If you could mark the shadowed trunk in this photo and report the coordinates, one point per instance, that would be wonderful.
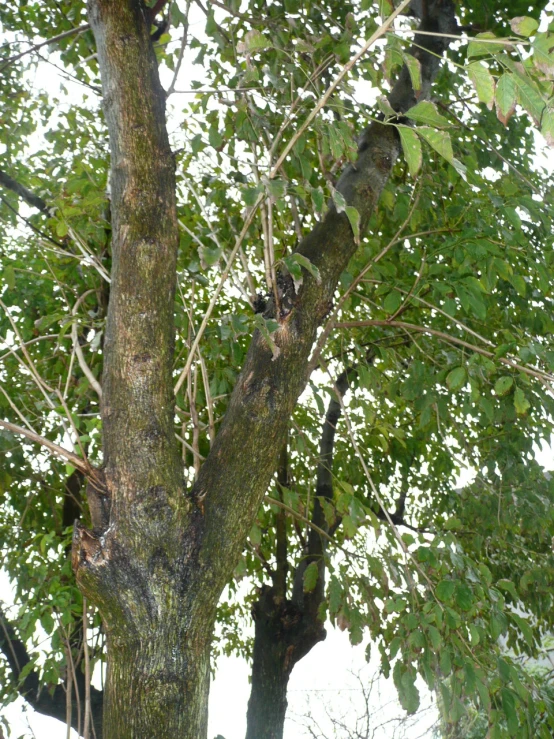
(287, 629)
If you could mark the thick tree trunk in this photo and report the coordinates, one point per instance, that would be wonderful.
(158, 686)
(157, 558)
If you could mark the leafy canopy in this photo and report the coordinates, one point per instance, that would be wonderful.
(445, 312)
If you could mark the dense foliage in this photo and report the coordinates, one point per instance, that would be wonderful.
(441, 518)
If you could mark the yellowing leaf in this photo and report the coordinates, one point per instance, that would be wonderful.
(547, 126)
(310, 577)
(439, 140)
(253, 41)
(523, 25)
(477, 48)
(503, 385)
(521, 404)
(505, 98)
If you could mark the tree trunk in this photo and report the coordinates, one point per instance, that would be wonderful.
(158, 556)
(284, 634)
(158, 686)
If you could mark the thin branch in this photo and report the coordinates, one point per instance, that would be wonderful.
(53, 40)
(184, 43)
(213, 301)
(27, 195)
(543, 376)
(87, 722)
(80, 464)
(333, 86)
(330, 325)
(77, 347)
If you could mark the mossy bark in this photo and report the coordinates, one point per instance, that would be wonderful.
(158, 556)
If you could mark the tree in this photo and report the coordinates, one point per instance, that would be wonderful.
(440, 314)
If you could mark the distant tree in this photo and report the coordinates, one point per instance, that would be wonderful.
(167, 298)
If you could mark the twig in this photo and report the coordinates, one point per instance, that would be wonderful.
(86, 728)
(218, 289)
(543, 376)
(330, 325)
(209, 401)
(184, 42)
(53, 40)
(77, 347)
(80, 464)
(333, 86)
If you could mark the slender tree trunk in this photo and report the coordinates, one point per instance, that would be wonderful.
(270, 678)
(286, 630)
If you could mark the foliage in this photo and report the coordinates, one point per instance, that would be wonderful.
(449, 296)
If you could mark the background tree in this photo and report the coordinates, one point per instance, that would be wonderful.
(448, 295)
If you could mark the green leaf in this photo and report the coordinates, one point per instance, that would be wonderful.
(509, 708)
(392, 302)
(267, 328)
(411, 146)
(474, 635)
(215, 138)
(503, 385)
(310, 577)
(521, 403)
(414, 68)
(427, 113)
(505, 97)
(408, 694)
(276, 188)
(464, 597)
(456, 378)
(61, 229)
(523, 25)
(255, 535)
(306, 264)
(435, 637)
(483, 82)
(439, 140)
(8, 276)
(530, 99)
(354, 219)
(477, 48)
(445, 590)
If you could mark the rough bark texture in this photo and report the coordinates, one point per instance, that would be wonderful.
(157, 559)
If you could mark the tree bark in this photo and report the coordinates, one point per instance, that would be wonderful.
(157, 558)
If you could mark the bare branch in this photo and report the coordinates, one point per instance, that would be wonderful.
(80, 464)
(53, 40)
(27, 195)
